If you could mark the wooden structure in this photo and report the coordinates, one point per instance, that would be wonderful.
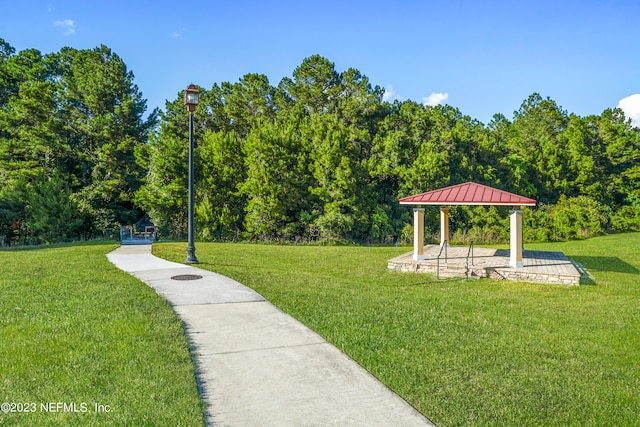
(469, 193)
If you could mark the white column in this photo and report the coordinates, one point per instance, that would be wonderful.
(444, 226)
(418, 234)
(516, 247)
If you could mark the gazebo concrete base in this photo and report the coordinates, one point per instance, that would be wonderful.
(539, 266)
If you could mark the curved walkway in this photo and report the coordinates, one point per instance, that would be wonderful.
(258, 365)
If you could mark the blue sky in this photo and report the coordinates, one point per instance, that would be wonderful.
(483, 57)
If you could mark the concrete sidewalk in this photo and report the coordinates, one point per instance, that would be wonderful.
(259, 366)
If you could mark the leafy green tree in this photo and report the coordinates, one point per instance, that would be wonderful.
(220, 210)
(52, 214)
(583, 171)
(13, 214)
(509, 173)
(104, 114)
(535, 152)
(274, 184)
(315, 86)
(408, 157)
(577, 217)
(431, 167)
(621, 145)
(321, 151)
(360, 104)
(480, 224)
(336, 171)
(396, 146)
(75, 115)
(164, 193)
(6, 79)
(249, 102)
(626, 217)
(30, 143)
(26, 66)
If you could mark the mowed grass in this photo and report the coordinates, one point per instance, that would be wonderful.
(478, 352)
(75, 330)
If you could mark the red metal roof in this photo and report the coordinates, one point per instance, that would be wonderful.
(468, 193)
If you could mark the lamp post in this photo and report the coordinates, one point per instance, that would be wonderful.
(191, 100)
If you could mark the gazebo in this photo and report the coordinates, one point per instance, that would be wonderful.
(469, 193)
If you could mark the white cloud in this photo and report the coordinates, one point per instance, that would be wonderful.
(631, 107)
(435, 98)
(68, 27)
(389, 95)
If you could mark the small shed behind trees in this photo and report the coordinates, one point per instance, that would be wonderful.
(469, 193)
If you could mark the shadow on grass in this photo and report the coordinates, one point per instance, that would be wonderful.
(606, 263)
(214, 265)
(92, 242)
(429, 279)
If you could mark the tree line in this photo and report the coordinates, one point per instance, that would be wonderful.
(70, 123)
(321, 156)
(318, 157)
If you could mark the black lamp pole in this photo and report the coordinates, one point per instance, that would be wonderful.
(191, 100)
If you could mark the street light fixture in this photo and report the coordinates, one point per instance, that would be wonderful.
(191, 101)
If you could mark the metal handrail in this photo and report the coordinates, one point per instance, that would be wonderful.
(469, 252)
(444, 246)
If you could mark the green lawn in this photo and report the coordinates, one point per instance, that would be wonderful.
(477, 352)
(76, 331)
